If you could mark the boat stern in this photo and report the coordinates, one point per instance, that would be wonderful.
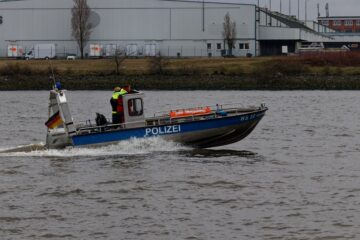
(60, 123)
(58, 139)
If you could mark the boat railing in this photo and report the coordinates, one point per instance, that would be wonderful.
(86, 127)
(238, 107)
(92, 128)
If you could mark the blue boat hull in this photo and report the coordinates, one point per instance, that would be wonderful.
(203, 133)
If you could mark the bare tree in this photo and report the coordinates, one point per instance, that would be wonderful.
(229, 32)
(81, 28)
(158, 64)
(119, 57)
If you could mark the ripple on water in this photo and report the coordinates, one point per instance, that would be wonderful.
(294, 177)
(62, 193)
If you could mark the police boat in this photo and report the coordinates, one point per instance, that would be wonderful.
(198, 127)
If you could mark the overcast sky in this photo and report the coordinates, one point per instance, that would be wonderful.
(336, 7)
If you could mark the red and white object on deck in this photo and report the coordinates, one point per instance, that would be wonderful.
(190, 112)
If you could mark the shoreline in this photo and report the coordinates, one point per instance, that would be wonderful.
(184, 82)
(313, 72)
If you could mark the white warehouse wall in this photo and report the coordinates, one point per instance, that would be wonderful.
(168, 24)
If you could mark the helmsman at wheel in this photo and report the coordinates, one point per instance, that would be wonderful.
(117, 105)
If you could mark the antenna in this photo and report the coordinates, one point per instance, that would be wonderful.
(289, 7)
(56, 85)
(318, 9)
(299, 10)
(327, 10)
(52, 71)
(306, 11)
(203, 16)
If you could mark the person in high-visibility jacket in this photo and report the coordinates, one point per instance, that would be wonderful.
(117, 105)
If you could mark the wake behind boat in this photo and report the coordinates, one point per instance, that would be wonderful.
(198, 127)
(25, 148)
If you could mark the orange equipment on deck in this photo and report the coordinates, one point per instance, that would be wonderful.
(190, 112)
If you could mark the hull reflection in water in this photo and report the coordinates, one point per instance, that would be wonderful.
(194, 127)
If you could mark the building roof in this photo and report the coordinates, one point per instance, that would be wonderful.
(338, 17)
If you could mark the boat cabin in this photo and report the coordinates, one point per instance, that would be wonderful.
(133, 109)
(133, 113)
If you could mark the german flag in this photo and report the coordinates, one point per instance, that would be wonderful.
(54, 121)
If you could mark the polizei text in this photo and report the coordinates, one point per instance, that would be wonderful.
(154, 131)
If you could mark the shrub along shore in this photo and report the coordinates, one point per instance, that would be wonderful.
(336, 71)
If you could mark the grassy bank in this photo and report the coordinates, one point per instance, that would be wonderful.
(160, 82)
(277, 73)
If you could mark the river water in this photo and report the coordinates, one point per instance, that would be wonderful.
(297, 176)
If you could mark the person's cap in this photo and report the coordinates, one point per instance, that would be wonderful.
(117, 89)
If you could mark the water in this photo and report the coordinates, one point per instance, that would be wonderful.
(297, 176)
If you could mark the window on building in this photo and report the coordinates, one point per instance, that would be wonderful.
(348, 22)
(1, 19)
(135, 107)
(358, 22)
(244, 46)
(325, 22)
(337, 23)
(218, 46)
(209, 46)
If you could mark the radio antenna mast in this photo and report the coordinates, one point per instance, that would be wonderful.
(289, 7)
(327, 10)
(52, 74)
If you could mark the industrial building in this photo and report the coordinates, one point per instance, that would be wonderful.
(341, 24)
(144, 27)
(345, 31)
